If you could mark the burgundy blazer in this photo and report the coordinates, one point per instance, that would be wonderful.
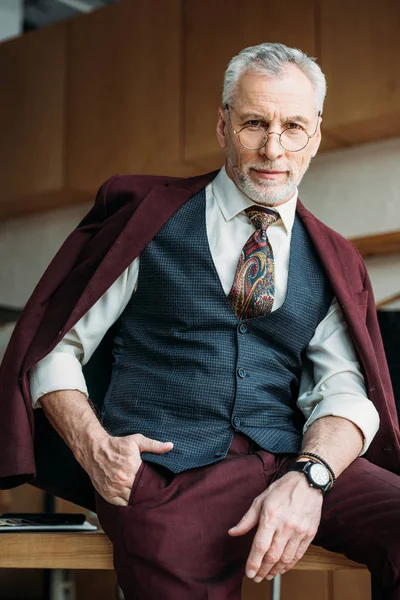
(128, 212)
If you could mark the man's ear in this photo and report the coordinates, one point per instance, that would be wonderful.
(221, 127)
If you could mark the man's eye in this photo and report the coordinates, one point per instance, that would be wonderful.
(253, 123)
(293, 126)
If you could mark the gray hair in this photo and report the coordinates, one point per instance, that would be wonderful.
(272, 59)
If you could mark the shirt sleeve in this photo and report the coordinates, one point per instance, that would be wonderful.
(333, 384)
(61, 369)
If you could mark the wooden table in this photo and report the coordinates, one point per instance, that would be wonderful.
(92, 550)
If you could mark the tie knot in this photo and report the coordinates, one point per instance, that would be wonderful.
(261, 217)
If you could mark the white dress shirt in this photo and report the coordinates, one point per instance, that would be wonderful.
(332, 383)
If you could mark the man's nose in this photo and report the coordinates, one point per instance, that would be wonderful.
(272, 149)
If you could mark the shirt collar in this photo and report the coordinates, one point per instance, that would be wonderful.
(232, 201)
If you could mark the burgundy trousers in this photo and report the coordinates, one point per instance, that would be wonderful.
(171, 541)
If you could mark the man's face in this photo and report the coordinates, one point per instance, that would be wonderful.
(271, 174)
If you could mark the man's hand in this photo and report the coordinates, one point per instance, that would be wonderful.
(113, 462)
(110, 462)
(288, 514)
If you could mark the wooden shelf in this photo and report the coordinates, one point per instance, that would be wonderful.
(378, 245)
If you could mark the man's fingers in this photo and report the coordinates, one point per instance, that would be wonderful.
(265, 552)
(146, 444)
(120, 498)
(298, 555)
(118, 501)
(286, 561)
(248, 521)
(290, 556)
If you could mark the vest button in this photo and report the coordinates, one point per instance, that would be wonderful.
(241, 372)
(220, 453)
(236, 421)
(243, 328)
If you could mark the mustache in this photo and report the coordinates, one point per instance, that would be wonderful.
(268, 166)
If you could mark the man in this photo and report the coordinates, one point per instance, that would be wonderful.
(231, 432)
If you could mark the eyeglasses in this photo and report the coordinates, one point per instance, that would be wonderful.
(255, 137)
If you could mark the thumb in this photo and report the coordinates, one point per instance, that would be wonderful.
(146, 444)
(247, 522)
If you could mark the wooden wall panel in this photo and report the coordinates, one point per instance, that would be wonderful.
(124, 92)
(359, 50)
(33, 74)
(214, 31)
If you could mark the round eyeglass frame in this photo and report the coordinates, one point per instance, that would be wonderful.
(268, 133)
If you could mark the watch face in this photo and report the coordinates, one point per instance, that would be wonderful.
(319, 474)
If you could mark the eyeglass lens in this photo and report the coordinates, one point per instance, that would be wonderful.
(254, 138)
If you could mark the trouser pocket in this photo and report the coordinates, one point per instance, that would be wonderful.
(136, 483)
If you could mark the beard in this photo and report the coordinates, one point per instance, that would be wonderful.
(265, 192)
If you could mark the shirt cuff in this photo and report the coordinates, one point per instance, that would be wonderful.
(57, 371)
(358, 410)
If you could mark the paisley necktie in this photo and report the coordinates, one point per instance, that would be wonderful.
(253, 289)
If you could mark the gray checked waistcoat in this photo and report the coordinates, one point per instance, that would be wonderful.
(187, 370)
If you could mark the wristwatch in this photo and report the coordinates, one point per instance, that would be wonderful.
(317, 474)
